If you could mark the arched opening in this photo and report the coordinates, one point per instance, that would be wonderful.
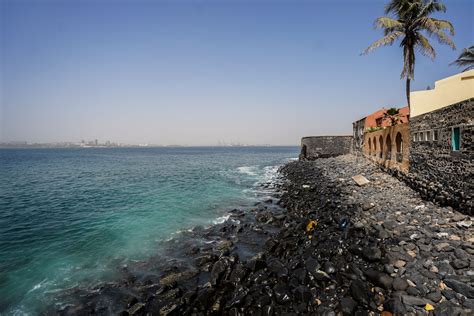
(388, 148)
(381, 146)
(375, 147)
(303, 152)
(399, 143)
(370, 146)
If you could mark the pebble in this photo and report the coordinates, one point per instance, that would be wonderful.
(399, 264)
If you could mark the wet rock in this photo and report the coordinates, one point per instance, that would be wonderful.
(360, 292)
(399, 284)
(379, 279)
(202, 260)
(329, 268)
(136, 309)
(447, 308)
(372, 253)
(301, 275)
(218, 270)
(434, 296)
(460, 264)
(168, 309)
(257, 262)
(268, 310)
(395, 306)
(173, 278)
(302, 294)
(277, 267)
(237, 297)
(347, 306)
(460, 287)
(282, 293)
(312, 265)
(415, 301)
(461, 254)
(239, 272)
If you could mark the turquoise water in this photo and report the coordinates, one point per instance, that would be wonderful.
(68, 215)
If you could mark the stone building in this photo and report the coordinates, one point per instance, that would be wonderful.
(313, 147)
(358, 128)
(378, 119)
(389, 146)
(441, 148)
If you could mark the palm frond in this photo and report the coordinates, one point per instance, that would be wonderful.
(425, 48)
(432, 26)
(443, 38)
(387, 23)
(466, 58)
(384, 41)
(432, 7)
(444, 25)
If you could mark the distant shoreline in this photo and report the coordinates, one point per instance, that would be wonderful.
(135, 146)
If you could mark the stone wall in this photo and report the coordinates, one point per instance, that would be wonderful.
(389, 147)
(358, 130)
(437, 171)
(314, 147)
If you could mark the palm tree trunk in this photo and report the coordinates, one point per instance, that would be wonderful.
(408, 92)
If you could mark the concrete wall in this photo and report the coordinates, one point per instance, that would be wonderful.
(447, 91)
(389, 147)
(314, 147)
(436, 170)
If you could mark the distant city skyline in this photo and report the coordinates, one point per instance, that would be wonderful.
(107, 143)
(199, 72)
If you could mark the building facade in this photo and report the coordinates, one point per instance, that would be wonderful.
(441, 142)
(314, 147)
(389, 147)
(374, 121)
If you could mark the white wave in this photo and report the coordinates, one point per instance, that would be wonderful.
(221, 219)
(37, 286)
(250, 170)
(271, 172)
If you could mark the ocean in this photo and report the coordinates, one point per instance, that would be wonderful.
(71, 216)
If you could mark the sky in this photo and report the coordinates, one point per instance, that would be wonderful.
(200, 72)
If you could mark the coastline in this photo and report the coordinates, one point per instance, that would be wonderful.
(377, 248)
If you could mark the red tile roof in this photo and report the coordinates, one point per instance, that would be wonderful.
(376, 119)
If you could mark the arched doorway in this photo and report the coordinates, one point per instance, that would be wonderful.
(375, 147)
(399, 144)
(381, 146)
(370, 147)
(388, 148)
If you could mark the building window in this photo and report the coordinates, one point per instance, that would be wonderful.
(414, 137)
(428, 136)
(420, 136)
(435, 135)
(456, 138)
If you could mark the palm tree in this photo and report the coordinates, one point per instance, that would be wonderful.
(410, 19)
(466, 59)
(393, 114)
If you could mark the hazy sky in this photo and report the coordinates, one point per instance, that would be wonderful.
(196, 72)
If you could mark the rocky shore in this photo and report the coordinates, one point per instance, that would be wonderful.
(321, 246)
